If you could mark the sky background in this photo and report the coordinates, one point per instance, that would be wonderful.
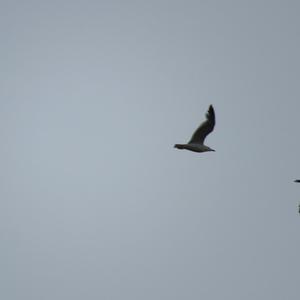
(95, 203)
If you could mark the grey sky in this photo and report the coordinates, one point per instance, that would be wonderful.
(96, 203)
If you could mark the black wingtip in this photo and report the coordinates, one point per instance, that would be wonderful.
(297, 180)
(210, 108)
(211, 113)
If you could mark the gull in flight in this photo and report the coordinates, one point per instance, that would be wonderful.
(196, 143)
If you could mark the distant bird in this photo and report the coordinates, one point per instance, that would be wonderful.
(196, 143)
(299, 208)
(297, 180)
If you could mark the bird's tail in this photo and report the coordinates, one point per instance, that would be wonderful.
(179, 146)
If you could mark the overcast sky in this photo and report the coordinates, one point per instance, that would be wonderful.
(95, 203)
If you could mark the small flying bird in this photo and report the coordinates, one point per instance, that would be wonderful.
(196, 143)
(299, 208)
(297, 180)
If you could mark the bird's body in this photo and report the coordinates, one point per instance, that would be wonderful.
(196, 144)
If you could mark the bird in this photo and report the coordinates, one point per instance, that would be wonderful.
(299, 208)
(297, 180)
(196, 143)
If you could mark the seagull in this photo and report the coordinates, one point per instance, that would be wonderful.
(297, 180)
(196, 144)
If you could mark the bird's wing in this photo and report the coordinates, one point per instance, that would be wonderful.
(205, 128)
(297, 180)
